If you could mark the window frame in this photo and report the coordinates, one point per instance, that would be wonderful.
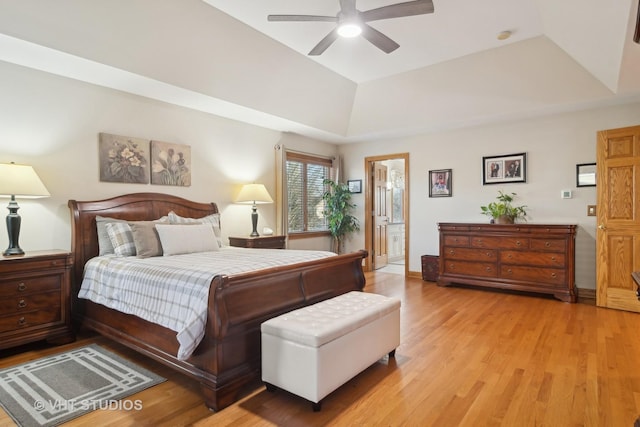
(305, 159)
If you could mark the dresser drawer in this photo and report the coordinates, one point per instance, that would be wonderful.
(24, 303)
(484, 269)
(533, 274)
(546, 259)
(558, 245)
(470, 254)
(456, 240)
(500, 242)
(29, 319)
(29, 285)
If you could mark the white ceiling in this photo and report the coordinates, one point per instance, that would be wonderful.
(456, 28)
(223, 57)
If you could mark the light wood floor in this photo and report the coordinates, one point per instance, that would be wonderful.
(468, 357)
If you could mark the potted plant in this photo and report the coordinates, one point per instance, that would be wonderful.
(337, 211)
(502, 211)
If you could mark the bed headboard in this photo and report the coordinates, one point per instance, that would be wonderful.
(134, 207)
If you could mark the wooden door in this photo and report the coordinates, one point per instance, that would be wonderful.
(380, 216)
(618, 212)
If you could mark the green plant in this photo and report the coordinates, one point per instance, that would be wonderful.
(337, 211)
(502, 211)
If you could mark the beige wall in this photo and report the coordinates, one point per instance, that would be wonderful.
(53, 123)
(554, 145)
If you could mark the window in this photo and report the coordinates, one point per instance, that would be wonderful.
(305, 186)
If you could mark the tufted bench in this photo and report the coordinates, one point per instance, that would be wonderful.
(312, 351)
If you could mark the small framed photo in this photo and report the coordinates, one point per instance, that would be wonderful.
(355, 185)
(504, 169)
(440, 183)
(586, 175)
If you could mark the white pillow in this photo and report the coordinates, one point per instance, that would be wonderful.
(185, 239)
(213, 219)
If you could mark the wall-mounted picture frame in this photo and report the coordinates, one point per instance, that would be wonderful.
(586, 175)
(171, 164)
(441, 183)
(123, 159)
(509, 168)
(355, 185)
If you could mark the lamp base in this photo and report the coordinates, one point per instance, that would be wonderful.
(254, 221)
(13, 229)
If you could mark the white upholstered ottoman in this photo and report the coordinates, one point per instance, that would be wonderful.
(312, 351)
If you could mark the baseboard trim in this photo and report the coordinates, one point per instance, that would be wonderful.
(586, 296)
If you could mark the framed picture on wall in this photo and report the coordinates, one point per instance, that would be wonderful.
(586, 175)
(504, 169)
(355, 185)
(440, 183)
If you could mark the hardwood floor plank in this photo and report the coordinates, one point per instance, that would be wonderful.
(468, 357)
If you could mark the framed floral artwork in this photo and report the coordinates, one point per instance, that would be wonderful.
(504, 169)
(123, 159)
(170, 164)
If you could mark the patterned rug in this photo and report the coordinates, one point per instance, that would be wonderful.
(55, 389)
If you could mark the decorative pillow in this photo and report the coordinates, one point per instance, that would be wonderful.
(213, 219)
(145, 238)
(104, 242)
(121, 238)
(186, 238)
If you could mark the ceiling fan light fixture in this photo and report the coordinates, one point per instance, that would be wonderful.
(349, 30)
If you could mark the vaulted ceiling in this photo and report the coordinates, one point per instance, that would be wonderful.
(225, 58)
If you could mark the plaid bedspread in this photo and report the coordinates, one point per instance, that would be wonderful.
(173, 291)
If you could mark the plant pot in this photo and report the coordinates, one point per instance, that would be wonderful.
(504, 219)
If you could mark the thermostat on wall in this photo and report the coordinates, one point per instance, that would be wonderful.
(566, 194)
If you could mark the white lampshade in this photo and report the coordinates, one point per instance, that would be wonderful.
(20, 181)
(254, 193)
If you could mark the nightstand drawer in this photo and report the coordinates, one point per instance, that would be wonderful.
(29, 285)
(29, 319)
(24, 303)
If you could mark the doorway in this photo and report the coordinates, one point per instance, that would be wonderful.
(386, 224)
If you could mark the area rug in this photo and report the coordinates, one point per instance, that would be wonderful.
(58, 388)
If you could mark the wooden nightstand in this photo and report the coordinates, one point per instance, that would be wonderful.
(262, 242)
(34, 298)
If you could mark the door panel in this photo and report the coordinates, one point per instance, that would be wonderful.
(618, 234)
(380, 216)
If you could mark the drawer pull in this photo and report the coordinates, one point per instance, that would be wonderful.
(452, 266)
(22, 303)
(547, 244)
(488, 268)
(518, 243)
(509, 271)
(509, 256)
(553, 258)
(553, 275)
(22, 287)
(451, 252)
(22, 321)
(489, 254)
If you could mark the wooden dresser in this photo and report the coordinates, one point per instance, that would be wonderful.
(524, 257)
(34, 298)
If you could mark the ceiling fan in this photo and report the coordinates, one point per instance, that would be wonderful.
(351, 22)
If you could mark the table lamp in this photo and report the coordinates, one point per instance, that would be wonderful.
(20, 181)
(254, 193)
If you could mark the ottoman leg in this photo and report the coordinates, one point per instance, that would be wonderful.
(392, 353)
(316, 406)
(270, 387)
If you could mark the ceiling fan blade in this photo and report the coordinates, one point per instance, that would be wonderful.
(410, 8)
(378, 39)
(324, 43)
(305, 18)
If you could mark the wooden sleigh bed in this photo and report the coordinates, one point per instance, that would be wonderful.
(227, 360)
